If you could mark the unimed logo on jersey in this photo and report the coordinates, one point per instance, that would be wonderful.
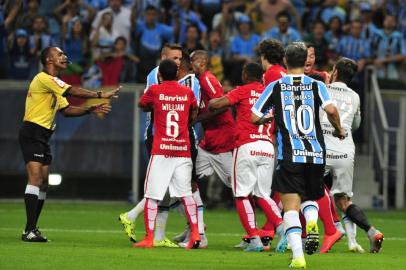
(307, 153)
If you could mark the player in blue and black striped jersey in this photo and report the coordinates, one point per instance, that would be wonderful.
(295, 100)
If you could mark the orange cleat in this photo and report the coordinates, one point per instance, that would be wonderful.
(194, 240)
(330, 240)
(148, 242)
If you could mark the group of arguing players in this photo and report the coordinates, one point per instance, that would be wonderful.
(278, 108)
(277, 117)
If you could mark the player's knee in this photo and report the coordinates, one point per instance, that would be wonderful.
(342, 201)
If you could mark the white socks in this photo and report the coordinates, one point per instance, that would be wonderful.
(30, 189)
(200, 210)
(138, 209)
(310, 210)
(293, 230)
(350, 229)
(160, 224)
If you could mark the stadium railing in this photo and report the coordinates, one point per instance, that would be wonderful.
(385, 138)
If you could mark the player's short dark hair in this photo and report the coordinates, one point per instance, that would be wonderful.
(45, 53)
(150, 7)
(272, 50)
(185, 61)
(296, 55)
(283, 13)
(346, 69)
(168, 70)
(173, 46)
(309, 45)
(253, 71)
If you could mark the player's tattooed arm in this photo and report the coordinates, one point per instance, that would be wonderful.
(202, 117)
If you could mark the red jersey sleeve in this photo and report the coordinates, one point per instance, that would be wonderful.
(212, 87)
(235, 95)
(147, 98)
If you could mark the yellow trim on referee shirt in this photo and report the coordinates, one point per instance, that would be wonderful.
(44, 99)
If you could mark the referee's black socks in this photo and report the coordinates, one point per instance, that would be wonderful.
(356, 215)
(41, 200)
(31, 205)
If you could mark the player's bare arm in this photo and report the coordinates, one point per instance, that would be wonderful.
(207, 116)
(73, 111)
(85, 93)
(218, 103)
(260, 121)
(193, 115)
(334, 119)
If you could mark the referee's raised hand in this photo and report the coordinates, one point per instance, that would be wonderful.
(111, 94)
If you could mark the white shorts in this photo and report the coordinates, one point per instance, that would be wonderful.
(164, 172)
(341, 167)
(208, 163)
(253, 167)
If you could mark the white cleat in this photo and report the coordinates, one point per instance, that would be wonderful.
(356, 248)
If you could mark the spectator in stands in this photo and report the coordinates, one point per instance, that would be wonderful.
(25, 18)
(192, 42)
(330, 9)
(216, 55)
(320, 44)
(19, 55)
(283, 32)
(117, 64)
(103, 36)
(226, 22)
(402, 19)
(368, 27)
(183, 16)
(75, 43)
(151, 36)
(39, 40)
(269, 9)
(354, 46)
(121, 18)
(243, 48)
(98, 4)
(388, 49)
(207, 9)
(70, 9)
(334, 34)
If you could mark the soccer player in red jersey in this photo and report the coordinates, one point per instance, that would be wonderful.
(272, 53)
(309, 65)
(253, 158)
(174, 107)
(214, 153)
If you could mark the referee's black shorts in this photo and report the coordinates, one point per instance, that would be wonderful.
(304, 179)
(34, 143)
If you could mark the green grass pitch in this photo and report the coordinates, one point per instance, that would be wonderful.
(88, 236)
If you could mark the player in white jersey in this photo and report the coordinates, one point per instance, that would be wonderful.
(340, 154)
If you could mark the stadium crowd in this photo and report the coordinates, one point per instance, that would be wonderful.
(123, 38)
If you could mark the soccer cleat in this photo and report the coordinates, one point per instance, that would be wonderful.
(255, 245)
(165, 243)
(340, 227)
(266, 237)
(330, 240)
(129, 226)
(376, 241)
(148, 242)
(298, 263)
(182, 236)
(194, 240)
(356, 248)
(312, 239)
(33, 236)
(243, 244)
(282, 245)
(204, 243)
